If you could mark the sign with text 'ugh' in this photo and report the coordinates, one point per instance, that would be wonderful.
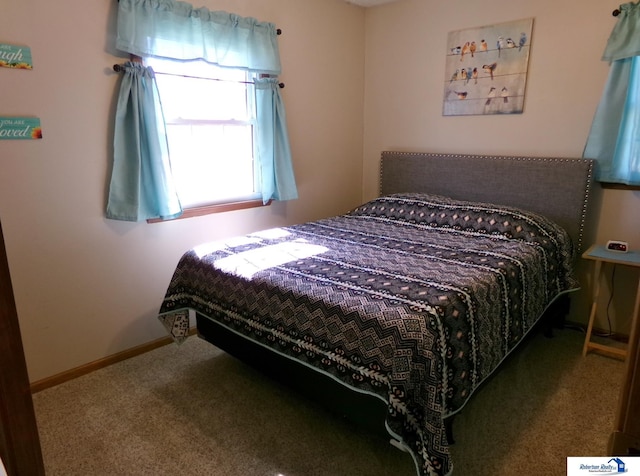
(18, 57)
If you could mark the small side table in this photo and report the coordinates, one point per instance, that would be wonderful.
(599, 254)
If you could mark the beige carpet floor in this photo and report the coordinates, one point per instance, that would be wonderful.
(194, 410)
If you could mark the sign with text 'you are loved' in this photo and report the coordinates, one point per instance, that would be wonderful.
(24, 128)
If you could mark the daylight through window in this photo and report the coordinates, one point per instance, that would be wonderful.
(210, 120)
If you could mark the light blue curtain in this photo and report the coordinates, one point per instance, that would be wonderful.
(174, 29)
(614, 139)
(141, 181)
(177, 30)
(274, 153)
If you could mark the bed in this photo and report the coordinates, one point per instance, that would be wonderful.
(411, 300)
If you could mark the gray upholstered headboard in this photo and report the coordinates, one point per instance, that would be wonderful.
(558, 188)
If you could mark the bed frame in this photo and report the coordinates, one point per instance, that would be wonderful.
(558, 188)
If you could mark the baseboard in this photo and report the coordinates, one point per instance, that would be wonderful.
(57, 379)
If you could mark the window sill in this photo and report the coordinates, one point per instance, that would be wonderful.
(619, 186)
(210, 209)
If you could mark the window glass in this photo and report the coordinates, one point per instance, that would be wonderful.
(210, 118)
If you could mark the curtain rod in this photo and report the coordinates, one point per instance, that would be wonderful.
(118, 68)
(616, 12)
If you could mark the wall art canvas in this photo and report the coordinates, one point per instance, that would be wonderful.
(486, 69)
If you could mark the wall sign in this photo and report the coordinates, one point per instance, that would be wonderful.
(18, 57)
(20, 128)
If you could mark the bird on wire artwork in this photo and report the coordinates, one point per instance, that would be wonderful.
(485, 62)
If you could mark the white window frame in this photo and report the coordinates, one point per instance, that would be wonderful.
(220, 204)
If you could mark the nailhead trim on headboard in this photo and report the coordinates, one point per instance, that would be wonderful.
(583, 187)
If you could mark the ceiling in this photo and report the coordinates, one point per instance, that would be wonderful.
(369, 3)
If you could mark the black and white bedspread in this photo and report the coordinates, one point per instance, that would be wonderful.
(411, 297)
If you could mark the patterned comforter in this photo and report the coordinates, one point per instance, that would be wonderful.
(411, 297)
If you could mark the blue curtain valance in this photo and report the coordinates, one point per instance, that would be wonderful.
(614, 138)
(175, 29)
(624, 42)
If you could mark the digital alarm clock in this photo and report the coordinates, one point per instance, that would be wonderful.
(617, 246)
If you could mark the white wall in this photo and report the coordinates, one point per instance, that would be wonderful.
(404, 75)
(87, 287)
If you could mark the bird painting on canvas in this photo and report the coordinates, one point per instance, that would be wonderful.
(493, 78)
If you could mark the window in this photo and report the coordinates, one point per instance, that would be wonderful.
(227, 129)
(210, 122)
